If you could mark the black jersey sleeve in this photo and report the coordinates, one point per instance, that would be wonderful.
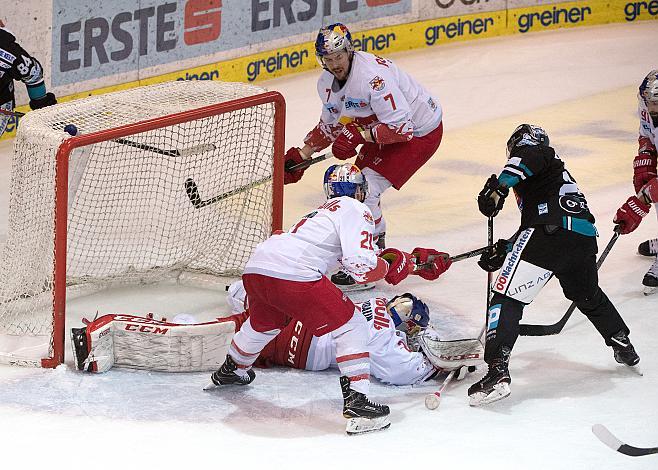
(17, 64)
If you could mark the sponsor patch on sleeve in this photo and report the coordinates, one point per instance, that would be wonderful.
(377, 83)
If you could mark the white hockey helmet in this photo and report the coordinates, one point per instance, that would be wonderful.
(409, 313)
(345, 180)
(649, 92)
(333, 38)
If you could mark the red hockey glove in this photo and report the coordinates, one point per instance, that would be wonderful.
(630, 214)
(345, 145)
(293, 157)
(430, 264)
(400, 265)
(644, 169)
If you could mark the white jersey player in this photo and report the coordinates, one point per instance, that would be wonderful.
(367, 100)
(645, 163)
(285, 278)
(392, 325)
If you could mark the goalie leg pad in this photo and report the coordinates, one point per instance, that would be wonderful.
(450, 355)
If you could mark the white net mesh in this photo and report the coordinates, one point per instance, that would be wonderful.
(129, 217)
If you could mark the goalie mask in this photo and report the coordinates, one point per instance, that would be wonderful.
(649, 93)
(333, 38)
(526, 134)
(409, 314)
(345, 180)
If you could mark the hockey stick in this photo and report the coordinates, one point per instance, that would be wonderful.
(433, 400)
(453, 259)
(192, 191)
(17, 114)
(171, 153)
(490, 242)
(611, 441)
(306, 163)
(555, 328)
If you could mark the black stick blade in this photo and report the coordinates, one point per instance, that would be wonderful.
(192, 191)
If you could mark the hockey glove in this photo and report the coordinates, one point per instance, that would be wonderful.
(644, 169)
(400, 265)
(345, 145)
(492, 197)
(430, 264)
(630, 214)
(493, 259)
(46, 100)
(293, 157)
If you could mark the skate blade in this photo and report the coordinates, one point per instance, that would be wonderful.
(499, 392)
(650, 290)
(364, 425)
(210, 386)
(356, 287)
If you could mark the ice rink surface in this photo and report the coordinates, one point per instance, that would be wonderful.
(581, 86)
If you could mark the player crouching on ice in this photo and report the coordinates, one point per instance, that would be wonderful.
(403, 348)
(286, 278)
(629, 216)
(556, 237)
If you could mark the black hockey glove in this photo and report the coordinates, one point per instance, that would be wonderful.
(492, 197)
(46, 100)
(493, 259)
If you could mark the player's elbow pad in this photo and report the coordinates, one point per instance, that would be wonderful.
(389, 134)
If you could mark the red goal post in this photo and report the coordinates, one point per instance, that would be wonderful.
(138, 172)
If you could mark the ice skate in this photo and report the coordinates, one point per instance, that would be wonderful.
(226, 375)
(362, 414)
(648, 247)
(650, 281)
(346, 283)
(493, 386)
(624, 350)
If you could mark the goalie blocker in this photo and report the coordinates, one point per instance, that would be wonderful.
(120, 340)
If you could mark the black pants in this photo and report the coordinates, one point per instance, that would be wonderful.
(572, 259)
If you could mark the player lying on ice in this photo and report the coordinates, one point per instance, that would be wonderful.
(403, 348)
(557, 238)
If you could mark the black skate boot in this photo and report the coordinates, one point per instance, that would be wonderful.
(650, 281)
(346, 283)
(624, 350)
(226, 375)
(494, 385)
(363, 415)
(648, 248)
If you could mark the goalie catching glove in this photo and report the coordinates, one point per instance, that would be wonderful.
(430, 264)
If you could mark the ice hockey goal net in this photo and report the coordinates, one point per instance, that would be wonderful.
(180, 176)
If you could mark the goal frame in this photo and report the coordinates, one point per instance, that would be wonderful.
(81, 140)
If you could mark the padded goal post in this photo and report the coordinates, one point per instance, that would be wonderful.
(110, 206)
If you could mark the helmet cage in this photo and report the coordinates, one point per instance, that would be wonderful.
(345, 180)
(408, 312)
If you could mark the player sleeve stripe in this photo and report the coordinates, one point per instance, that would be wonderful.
(351, 357)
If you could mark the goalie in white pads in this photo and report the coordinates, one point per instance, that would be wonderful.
(403, 349)
(285, 278)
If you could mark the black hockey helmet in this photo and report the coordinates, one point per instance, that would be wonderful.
(527, 134)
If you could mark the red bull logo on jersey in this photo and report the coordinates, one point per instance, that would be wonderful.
(377, 83)
(368, 217)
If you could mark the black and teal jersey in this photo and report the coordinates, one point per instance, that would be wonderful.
(546, 193)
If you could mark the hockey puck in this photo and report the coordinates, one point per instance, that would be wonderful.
(71, 129)
(433, 400)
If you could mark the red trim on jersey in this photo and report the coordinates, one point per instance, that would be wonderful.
(377, 273)
(235, 346)
(351, 357)
(359, 377)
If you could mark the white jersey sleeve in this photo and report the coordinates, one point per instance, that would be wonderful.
(647, 127)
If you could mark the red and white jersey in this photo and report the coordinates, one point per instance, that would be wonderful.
(391, 361)
(647, 127)
(338, 232)
(376, 92)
